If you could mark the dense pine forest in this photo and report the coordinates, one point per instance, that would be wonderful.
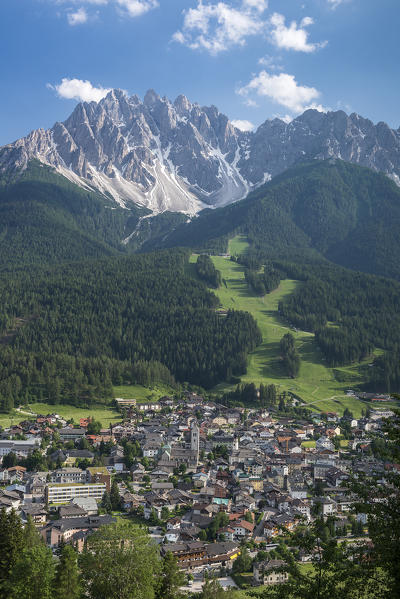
(290, 355)
(206, 271)
(73, 331)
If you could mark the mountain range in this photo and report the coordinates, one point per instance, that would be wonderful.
(180, 157)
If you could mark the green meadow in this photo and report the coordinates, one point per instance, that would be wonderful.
(316, 384)
(142, 394)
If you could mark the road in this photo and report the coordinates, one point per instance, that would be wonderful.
(257, 532)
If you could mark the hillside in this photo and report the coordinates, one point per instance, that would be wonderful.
(318, 211)
(71, 332)
(46, 219)
(318, 385)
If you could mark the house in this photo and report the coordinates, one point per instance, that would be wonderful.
(242, 529)
(21, 448)
(9, 500)
(194, 554)
(37, 511)
(65, 530)
(269, 572)
(226, 534)
(71, 434)
(324, 443)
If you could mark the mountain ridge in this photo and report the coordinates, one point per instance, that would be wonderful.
(318, 211)
(180, 157)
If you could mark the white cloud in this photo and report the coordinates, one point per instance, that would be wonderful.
(243, 125)
(250, 103)
(130, 8)
(78, 17)
(217, 27)
(335, 3)
(76, 89)
(294, 37)
(259, 5)
(284, 90)
(270, 62)
(136, 8)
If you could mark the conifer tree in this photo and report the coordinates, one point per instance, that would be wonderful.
(171, 578)
(115, 498)
(11, 545)
(32, 575)
(67, 584)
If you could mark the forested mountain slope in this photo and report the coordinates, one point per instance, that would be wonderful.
(44, 219)
(320, 210)
(91, 322)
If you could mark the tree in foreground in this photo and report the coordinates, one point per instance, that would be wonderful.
(213, 590)
(11, 545)
(171, 578)
(120, 562)
(338, 571)
(381, 503)
(67, 583)
(32, 575)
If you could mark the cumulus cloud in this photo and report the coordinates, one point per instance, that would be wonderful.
(136, 8)
(293, 37)
(217, 27)
(259, 5)
(78, 17)
(243, 125)
(284, 90)
(76, 89)
(129, 8)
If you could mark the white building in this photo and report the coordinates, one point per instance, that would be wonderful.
(62, 493)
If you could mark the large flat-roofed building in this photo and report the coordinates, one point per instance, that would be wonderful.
(62, 493)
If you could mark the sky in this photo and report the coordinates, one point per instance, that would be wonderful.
(253, 59)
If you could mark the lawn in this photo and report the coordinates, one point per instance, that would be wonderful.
(316, 384)
(103, 414)
(238, 245)
(308, 444)
(7, 420)
(142, 394)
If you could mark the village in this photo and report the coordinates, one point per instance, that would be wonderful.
(219, 487)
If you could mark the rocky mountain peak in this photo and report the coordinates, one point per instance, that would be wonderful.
(182, 157)
(151, 98)
(182, 105)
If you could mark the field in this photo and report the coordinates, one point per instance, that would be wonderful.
(102, 413)
(142, 394)
(316, 383)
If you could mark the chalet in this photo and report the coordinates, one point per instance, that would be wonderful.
(195, 554)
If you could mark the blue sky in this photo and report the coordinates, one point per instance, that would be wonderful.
(254, 59)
